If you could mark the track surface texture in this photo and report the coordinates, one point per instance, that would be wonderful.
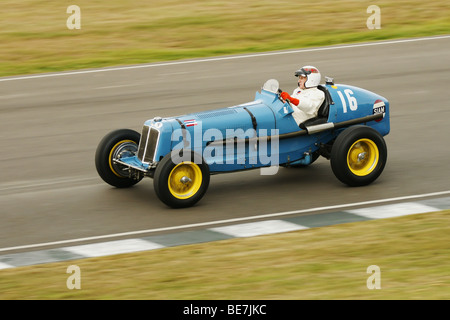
(51, 125)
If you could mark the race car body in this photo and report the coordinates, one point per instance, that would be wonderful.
(180, 153)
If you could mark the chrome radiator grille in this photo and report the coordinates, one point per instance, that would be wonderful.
(148, 144)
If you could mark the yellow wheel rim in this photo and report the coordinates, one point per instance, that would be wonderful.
(185, 180)
(114, 153)
(363, 157)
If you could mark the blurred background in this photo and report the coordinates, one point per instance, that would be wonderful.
(34, 36)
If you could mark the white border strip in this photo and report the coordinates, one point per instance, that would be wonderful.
(212, 223)
(259, 228)
(113, 247)
(5, 266)
(393, 210)
(172, 63)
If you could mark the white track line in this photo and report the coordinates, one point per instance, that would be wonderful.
(212, 223)
(246, 56)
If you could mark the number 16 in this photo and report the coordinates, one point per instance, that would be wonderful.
(351, 100)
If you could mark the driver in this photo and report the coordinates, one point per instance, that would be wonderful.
(306, 99)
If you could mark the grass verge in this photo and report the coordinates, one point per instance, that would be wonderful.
(412, 252)
(34, 37)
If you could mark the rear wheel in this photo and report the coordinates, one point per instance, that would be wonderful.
(117, 144)
(181, 181)
(358, 156)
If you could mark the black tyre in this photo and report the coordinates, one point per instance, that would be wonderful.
(358, 156)
(181, 179)
(119, 143)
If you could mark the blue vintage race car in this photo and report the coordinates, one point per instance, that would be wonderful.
(180, 153)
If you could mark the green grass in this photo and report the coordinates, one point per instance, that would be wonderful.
(413, 254)
(34, 37)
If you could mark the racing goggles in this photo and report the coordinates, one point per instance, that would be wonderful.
(305, 72)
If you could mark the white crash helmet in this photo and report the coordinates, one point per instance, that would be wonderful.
(312, 74)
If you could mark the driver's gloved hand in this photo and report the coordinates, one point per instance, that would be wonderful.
(286, 96)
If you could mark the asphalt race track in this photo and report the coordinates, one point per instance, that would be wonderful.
(51, 125)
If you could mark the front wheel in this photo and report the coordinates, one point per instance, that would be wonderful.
(117, 144)
(358, 156)
(181, 179)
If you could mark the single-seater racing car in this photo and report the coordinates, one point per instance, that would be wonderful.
(180, 153)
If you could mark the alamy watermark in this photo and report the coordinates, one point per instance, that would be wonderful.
(374, 20)
(74, 280)
(374, 280)
(238, 146)
(74, 20)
